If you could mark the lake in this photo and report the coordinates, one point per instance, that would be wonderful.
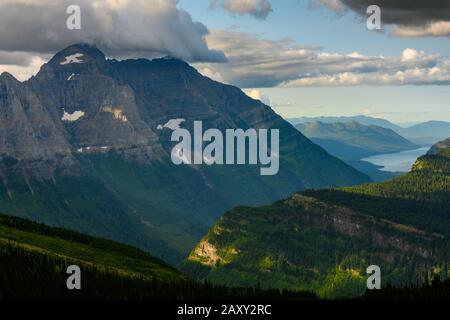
(397, 162)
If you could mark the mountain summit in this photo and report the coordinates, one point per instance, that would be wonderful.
(84, 145)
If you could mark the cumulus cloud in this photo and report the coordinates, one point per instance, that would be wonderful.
(412, 18)
(146, 28)
(254, 94)
(258, 63)
(259, 9)
(258, 95)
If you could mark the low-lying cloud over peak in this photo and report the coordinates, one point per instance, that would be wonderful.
(146, 28)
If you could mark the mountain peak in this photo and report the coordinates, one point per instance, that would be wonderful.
(74, 59)
(6, 76)
(78, 54)
(171, 60)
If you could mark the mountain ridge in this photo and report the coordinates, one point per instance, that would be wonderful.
(352, 133)
(364, 120)
(425, 134)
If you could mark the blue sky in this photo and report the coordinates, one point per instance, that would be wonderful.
(293, 19)
(342, 33)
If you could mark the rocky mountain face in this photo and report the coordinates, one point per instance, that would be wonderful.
(29, 138)
(85, 145)
(324, 240)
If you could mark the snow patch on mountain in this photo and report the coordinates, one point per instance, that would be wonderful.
(74, 58)
(72, 116)
(173, 124)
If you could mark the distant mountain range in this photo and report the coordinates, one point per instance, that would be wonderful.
(351, 141)
(364, 120)
(324, 240)
(426, 133)
(373, 139)
(84, 145)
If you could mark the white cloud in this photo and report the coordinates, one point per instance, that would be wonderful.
(433, 29)
(254, 94)
(257, 95)
(366, 111)
(412, 55)
(259, 9)
(146, 28)
(339, 79)
(259, 63)
(210, 73)
(415, 76)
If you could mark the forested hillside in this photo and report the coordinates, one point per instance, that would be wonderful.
(324, 240)
(34, 259)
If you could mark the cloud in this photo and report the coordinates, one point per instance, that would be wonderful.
(257, 95)
(412, 18)
(366, 111)
(254, 94)
(23, 71)
(15, 58)
(406, 13)
(255, 63)
(434, 29)
(260, 9)
(146, 28)
(412, 55)
(334, 5)
(259, 63)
